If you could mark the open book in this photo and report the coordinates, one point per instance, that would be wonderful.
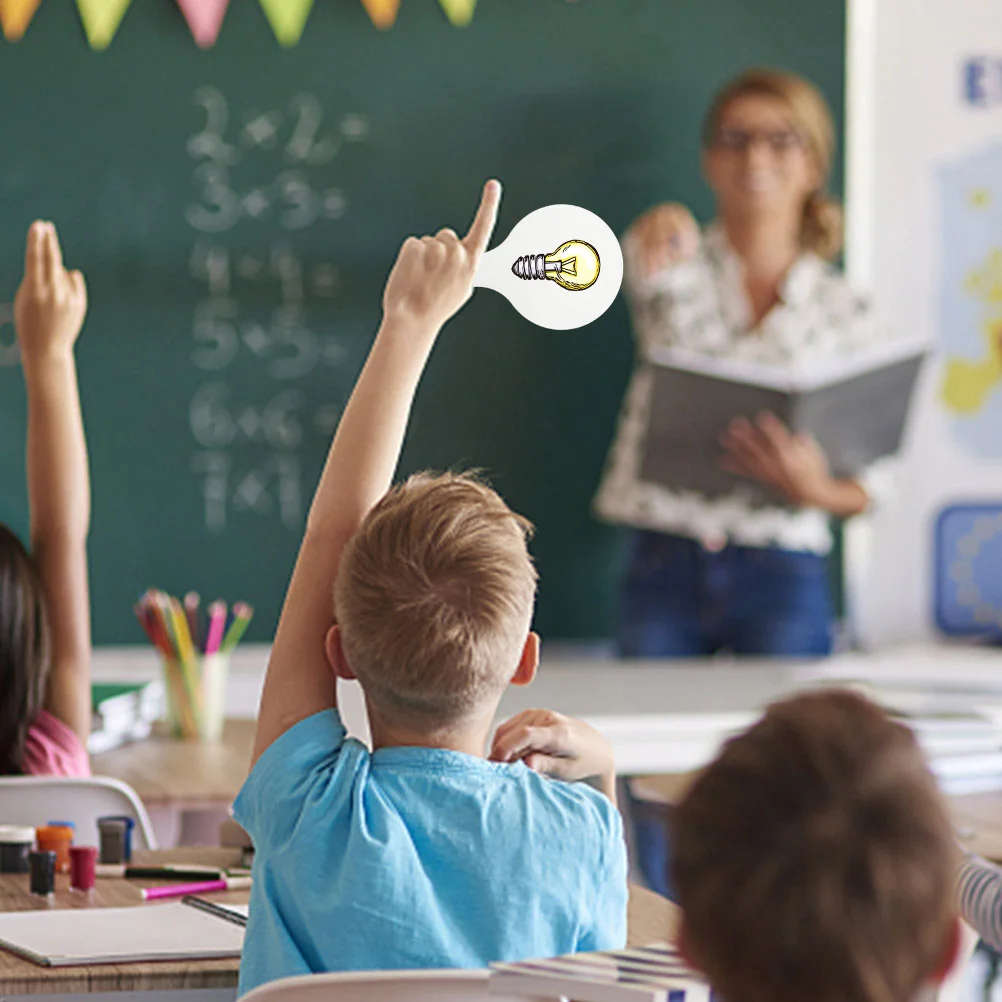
(640, 974)
(855, 406)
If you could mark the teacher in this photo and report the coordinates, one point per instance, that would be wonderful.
(729, 574)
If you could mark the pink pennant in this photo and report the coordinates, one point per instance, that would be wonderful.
(205, 18)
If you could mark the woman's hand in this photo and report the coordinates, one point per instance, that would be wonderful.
(793, 465)
(556, 745)
(665, 235)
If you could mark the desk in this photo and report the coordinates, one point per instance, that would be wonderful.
(652, 919)
(183, 775)
(21, 977)
(187, 786)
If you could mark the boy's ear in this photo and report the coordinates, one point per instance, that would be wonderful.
(335, 654)
(951, 954)
(529, 662)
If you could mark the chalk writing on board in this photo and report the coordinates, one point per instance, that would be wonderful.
(267, 171)
(271, 487)
(10, 353)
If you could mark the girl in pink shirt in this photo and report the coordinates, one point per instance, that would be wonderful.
(45, 695)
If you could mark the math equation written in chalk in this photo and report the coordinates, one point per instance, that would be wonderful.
(263, 182)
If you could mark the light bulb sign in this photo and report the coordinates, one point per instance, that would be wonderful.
(561, 267)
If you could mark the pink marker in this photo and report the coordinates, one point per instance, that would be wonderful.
(180, 890)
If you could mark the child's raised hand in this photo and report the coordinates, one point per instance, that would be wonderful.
(433, 276)
(51, 303)
(554, 744)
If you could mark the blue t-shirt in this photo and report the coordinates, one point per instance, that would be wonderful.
(420, 857)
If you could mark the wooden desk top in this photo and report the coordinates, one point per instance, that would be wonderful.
(183, 775)
(652, 919)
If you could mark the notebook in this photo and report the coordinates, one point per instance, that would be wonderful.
(71, 936)
(855, 406)
(641, 974)
(232, 913)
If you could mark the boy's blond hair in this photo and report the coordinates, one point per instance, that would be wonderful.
(814, 859)
(434, 598)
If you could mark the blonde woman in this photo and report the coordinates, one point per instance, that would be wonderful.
(705, 574)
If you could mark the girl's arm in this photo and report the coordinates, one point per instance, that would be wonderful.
(49, 311)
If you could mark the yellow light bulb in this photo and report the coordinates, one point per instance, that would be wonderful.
(574, 266)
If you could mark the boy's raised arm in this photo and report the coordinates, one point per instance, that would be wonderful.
(49, 312)
(430, 281)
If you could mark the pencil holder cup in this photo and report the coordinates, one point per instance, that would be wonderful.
(196, 696)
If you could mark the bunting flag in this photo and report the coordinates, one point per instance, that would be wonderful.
(205, 18)
(15, 16)
(288, 18)
(459, 12)
(101, 19)
(382, 12)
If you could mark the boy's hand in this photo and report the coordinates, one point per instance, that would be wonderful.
(51, 303)
(433, 277)
(560, 746)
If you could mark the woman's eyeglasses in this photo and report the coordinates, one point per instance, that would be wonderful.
(739, 140)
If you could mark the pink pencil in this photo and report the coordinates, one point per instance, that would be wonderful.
(203, 887)
(217, 623)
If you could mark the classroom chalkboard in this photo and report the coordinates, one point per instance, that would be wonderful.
(236, 209)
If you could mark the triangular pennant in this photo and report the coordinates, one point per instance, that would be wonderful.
(382, 12)
(459, 12)
(288, 18)
(205, 18)
(15, 16)
(101, 19)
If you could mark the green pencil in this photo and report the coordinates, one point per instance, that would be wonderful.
(242, 615)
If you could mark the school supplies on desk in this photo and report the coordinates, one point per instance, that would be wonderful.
(855, 406)
(67, 937)
(203, 887)
(641, 974)
(168, 871)
(232, 913)
(123, 713)
(195, 656)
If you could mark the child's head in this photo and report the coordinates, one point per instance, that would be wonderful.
(434, 599)
(814, 859)
(24, 648)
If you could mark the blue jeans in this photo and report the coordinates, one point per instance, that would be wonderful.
(682, 601)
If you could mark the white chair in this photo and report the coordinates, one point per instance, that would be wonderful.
(383, 986)
(36, 800)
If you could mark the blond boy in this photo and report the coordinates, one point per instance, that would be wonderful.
(422, 853)
(814, 860)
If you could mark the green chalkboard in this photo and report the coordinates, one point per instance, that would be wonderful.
(236, 210)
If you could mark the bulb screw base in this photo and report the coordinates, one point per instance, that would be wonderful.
(530, 267)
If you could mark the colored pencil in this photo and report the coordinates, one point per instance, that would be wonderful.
(242, 615)
(191, 603)
(217, 623)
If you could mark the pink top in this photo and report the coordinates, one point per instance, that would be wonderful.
(52, 749)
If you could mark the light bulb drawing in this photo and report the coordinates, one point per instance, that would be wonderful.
(574, 266)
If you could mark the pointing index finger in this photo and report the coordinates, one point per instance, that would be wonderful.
(479, 235)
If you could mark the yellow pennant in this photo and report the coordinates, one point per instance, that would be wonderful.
(288, 18)
(15, 16)
(101, 19)
(459, 12)
(382, 12)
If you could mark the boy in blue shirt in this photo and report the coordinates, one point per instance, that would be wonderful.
(423, 853)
